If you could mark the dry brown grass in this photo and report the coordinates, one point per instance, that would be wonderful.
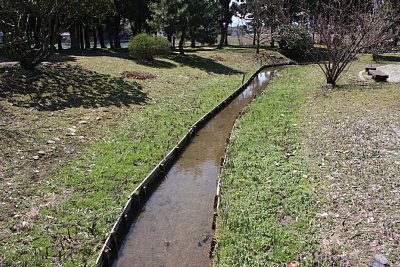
(353, 143)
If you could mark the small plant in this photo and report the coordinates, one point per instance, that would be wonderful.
(146, 47)
(293, 39)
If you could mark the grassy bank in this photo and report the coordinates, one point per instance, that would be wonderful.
(98, 136)
(312, 173)
(268, 200)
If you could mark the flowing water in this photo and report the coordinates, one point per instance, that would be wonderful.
(174, 227)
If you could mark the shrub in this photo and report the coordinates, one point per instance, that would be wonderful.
(23, 50)
(293, 39)
(144, 46)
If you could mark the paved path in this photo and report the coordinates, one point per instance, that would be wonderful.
(393, 70)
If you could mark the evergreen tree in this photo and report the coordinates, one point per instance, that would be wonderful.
(185, 18)
(203, 26)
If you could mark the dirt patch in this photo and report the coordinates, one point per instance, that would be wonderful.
(218, 58)
(138, 75)
(287, 219)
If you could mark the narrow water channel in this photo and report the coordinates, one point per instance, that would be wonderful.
(174, 227)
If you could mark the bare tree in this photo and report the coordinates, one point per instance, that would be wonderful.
(347, 27)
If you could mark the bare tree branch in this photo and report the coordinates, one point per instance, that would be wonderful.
(348, 27)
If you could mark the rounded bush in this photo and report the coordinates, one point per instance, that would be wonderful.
(293, 39)
(144, 46)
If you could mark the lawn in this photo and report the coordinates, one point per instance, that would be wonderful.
(312, 174)
(77, 139)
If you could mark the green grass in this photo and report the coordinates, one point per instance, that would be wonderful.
(76, 208)
(267, 204)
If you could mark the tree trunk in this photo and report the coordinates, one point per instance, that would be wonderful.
(221, 41)
(375, 56)
(254, 38)
(117, 40)
(133, 28)
(173, 42)
(111, 40)
(272, 37)
(36, 40)
(73, 32)
(331, 81)
(182, 42)
(94, 38)
(226, 34)
(81, 42)
(258, 43)
(59, 42)
(396, 40)
(192, 42)
(101, 37)
(34, 26)
(110, 31)
(139, 27)
(87, 37)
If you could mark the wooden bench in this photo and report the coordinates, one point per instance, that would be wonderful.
(369, 67)
(379, 75)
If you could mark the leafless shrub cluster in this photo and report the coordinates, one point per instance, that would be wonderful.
(348, 27)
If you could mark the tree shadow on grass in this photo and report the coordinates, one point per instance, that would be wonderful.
(156, 63)
(388, 58)
(317, 54)
(53, 87)
(120, 53)
(70, 56)
(206, 64)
